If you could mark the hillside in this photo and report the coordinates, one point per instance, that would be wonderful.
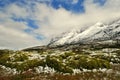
(89, 54)
(95, 33)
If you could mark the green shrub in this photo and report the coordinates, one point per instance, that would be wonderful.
(6, 51)
(57, 65)
(66, 54)
(30, 64)
(20, 58)
(109, 58)
(86, 62)
(53, 63)
(4, 59)
(66, 69)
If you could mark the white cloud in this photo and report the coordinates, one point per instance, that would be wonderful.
(15, 10)
(12, 33)
(102, 13)
(51, 22)
(54, 22)
(16, 39)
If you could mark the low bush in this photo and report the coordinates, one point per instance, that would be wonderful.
(80, 62)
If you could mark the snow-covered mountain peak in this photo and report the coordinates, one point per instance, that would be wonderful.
(99, 24)
(64, 37)
(99, 31)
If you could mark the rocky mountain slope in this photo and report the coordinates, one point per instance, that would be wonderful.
(96, 33)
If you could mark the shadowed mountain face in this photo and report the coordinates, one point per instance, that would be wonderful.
(99, 32)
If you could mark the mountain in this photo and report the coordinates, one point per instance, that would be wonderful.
(96, 33)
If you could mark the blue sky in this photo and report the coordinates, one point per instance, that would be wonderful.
(35, 22)
(74, 6)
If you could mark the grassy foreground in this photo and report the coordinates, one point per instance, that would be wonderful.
(84, 64)
(108, 75)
